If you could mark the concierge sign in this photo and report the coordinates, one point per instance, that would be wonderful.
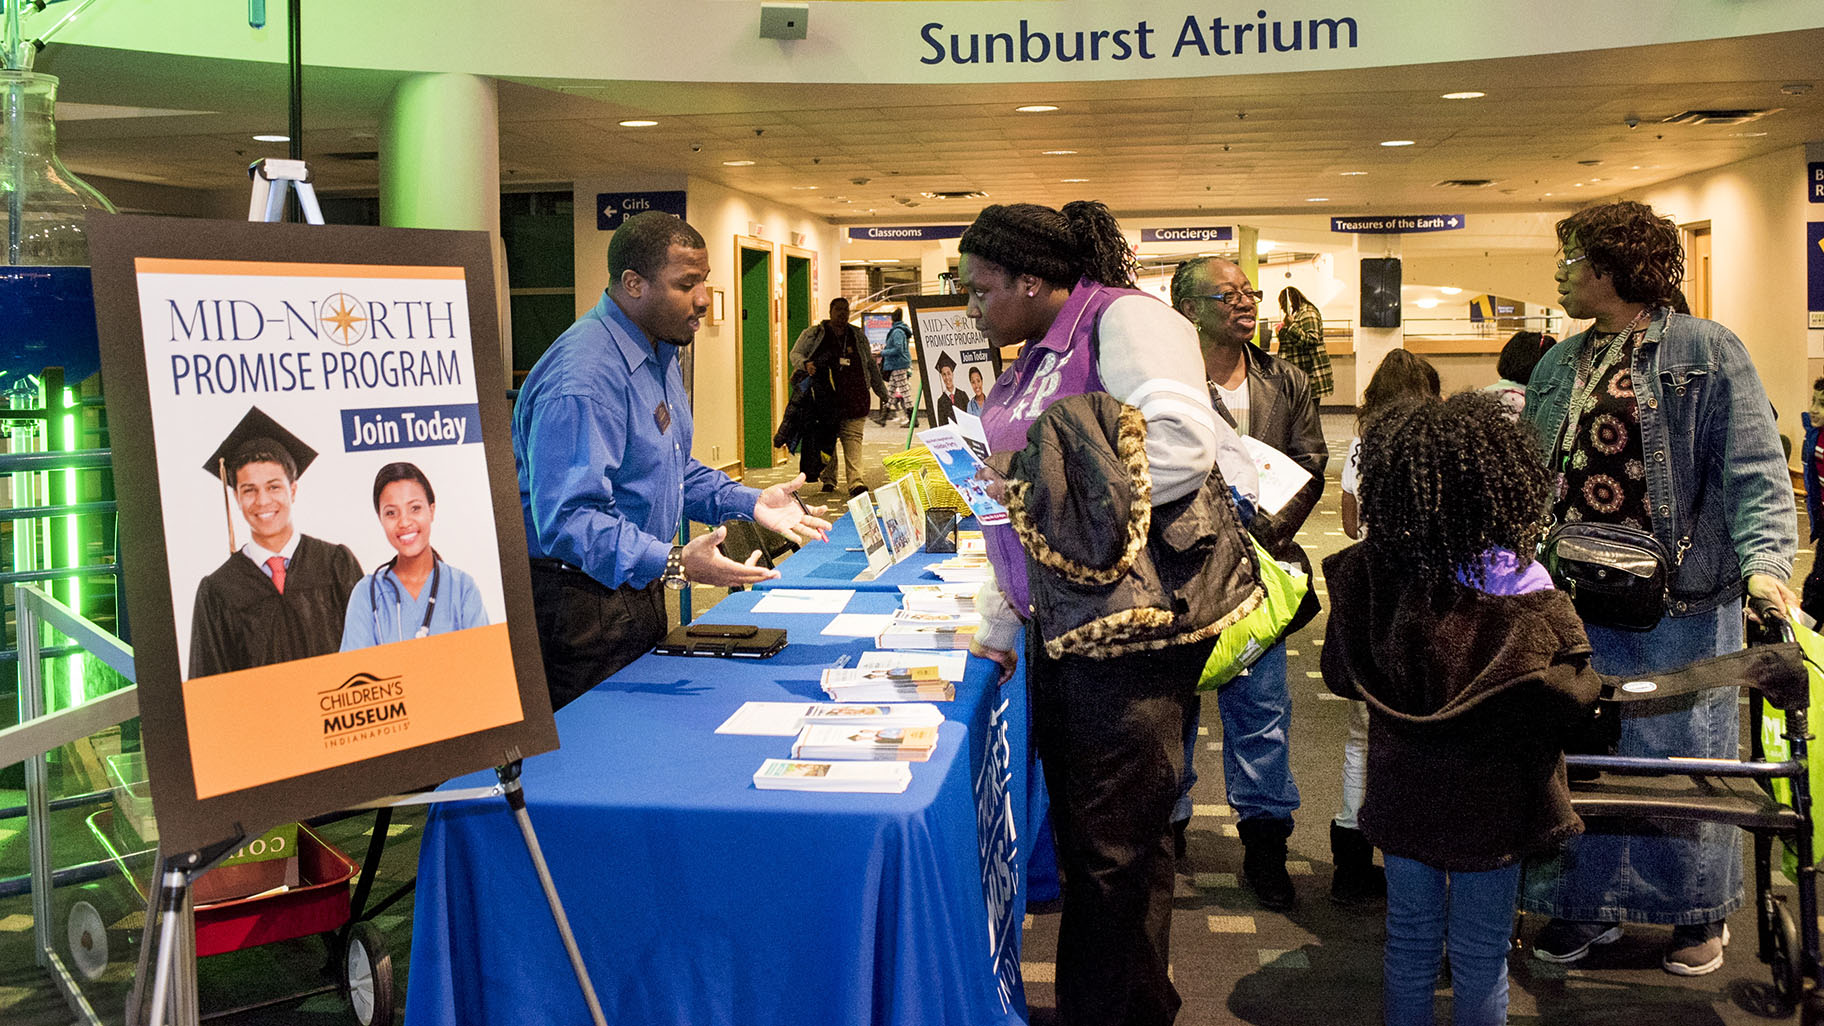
(320, 525)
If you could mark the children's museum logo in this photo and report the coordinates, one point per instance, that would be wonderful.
(363, 706)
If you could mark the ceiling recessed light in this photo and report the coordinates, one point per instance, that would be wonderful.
(1576, 185)
(272, 138)
(1397, 142)
(1449, 290)
(1347, 174)
(638, 123)
(737, 163)
(1747, 135)
(1317, 199)
(1035, 108)
(1425, 304)
(801, 188)
(1072, 181)
(1467, 95)
(1057, 153)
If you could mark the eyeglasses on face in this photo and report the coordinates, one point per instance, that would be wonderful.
(1565, 262)
(1231, 297)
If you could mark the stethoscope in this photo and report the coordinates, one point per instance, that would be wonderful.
(373, 597)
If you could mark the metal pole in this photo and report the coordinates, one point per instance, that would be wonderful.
(516, 798)
(37, 801)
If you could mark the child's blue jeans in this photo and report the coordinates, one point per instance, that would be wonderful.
(1472, 913)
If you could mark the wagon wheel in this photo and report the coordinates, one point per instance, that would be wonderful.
(1788, 978)
(367, 975)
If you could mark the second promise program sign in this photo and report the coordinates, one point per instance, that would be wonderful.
(323, 547)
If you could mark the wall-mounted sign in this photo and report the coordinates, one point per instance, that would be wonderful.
(612, 207)
(1814, 181)
(1814, 262)
(1189, 233)
(906, 232)
(1398, 224)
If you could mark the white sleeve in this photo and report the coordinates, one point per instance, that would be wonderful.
(1148, 358)
(1352, 467)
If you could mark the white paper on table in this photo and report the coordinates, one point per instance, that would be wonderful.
(950, 665)
(805, 600)
(1280, 477)
(774, 719)
(857, 625)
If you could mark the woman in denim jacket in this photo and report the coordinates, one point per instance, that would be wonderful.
(1658, 420)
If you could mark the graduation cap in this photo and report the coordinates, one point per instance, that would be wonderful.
(943, 360)
(256, 435)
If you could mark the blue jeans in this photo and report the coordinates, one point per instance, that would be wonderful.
(1681, 874)
(1426, 910)
(1256, 714)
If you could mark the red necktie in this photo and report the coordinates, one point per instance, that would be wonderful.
(277, 565)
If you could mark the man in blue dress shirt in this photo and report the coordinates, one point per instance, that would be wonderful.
(601, 442)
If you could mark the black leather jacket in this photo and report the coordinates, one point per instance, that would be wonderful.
(1282, 414)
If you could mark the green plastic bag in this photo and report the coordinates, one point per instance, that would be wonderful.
(1776, 749)
(1243, 642)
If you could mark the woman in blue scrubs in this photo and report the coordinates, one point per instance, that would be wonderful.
(416, 593)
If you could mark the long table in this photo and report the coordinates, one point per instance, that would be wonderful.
(697, 899)
(826, 565)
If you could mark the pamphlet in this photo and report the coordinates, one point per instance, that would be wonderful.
(896, 519)
(872, 744)
(950, 665)
(1280, 477)
(903, 635)
(873, 542)
(960, 457)
(855, 777)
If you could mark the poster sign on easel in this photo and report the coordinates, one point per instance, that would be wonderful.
(320, 520)
(957, 364)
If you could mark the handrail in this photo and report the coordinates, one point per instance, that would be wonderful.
(38, 733)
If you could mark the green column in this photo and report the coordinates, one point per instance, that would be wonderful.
(440, 168)
(440, 154)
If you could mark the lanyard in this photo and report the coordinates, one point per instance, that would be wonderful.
(1590, 372)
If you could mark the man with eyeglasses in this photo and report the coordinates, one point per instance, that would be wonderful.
(1267, 398)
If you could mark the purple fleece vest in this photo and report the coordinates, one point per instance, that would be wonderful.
(1061, 364)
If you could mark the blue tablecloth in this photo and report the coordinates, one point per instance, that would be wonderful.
(826, 565)
(697, 899)
(830, 564)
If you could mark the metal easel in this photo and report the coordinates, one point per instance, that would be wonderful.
(174, 991)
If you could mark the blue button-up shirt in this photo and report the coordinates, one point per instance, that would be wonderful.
(603, 475)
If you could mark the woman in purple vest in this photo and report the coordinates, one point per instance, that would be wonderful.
(1107, 730)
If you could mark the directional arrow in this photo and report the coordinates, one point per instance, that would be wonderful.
(1453, 222)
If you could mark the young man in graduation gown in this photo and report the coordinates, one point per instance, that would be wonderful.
(281, 596)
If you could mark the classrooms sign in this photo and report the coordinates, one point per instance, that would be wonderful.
(313, 627)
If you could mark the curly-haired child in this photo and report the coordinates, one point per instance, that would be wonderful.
(1474, 670)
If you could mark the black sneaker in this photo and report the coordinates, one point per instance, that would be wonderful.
(1564, 941)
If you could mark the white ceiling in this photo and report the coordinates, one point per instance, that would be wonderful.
(1550, 132)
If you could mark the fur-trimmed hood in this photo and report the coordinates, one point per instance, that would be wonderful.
(1111, 573)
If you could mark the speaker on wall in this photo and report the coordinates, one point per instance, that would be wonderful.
(1380, 292)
